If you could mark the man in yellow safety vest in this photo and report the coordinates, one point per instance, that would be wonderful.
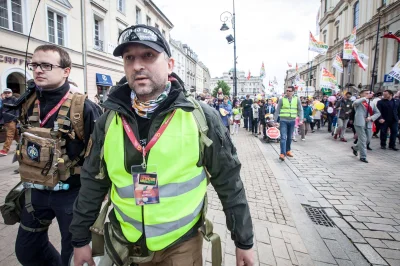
(145, 150)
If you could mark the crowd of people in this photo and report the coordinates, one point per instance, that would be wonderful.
(365, 113)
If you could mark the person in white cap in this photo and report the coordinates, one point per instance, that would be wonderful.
(10, 117)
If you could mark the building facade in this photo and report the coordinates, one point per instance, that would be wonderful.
(105, 20)
(338, 18)
(252, 86)
(88, 30)
(207, 80)
(58, 18)
(178, 53)
(191, 61)
(199, 78)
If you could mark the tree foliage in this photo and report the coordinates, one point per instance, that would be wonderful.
(224, 86)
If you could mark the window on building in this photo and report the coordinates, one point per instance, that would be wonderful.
(337, 32)
(138, 16)
(383, 2)
(158, 27)
(148, 21)
(356, 14)
(326, 6)
(56, 27)
(121, 5)
(324, 38)
(163, 33)
(11, 15)
(98, 42)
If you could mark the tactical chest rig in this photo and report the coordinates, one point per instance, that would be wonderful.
(41, 152)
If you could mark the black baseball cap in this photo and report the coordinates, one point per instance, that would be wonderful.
(142, 34)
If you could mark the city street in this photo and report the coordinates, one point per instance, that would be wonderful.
(362, 201)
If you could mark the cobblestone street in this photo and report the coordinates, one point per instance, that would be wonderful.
(362, 200)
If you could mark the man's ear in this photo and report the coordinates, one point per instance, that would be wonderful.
(67, 71)
(171, 64)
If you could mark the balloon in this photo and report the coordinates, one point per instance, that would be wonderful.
(274, 99)
(331, 99)
(259, 97)
(235, 111)
(320, 106)
(315, 102)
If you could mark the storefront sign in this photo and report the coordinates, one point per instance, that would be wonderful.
(12, 60)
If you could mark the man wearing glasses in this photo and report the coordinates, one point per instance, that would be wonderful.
(154, 167)
(10, 117)
(289, 107)
(51, 67)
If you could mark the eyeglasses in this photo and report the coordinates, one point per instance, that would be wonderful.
(43, 66)
(289, 90)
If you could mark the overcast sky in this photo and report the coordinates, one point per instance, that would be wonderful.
(273, 31)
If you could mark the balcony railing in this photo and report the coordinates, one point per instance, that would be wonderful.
(98, 44)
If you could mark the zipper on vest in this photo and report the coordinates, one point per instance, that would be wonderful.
(143, 227)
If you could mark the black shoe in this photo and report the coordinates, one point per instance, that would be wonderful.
(16, 171)
(355, 142)
(363, 160)
(354, 151)
(393, 148)
(383, 147)
(368, 148)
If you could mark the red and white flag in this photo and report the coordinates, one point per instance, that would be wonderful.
(297, 68)
(289, 64)
(358, 59)
(248, 76)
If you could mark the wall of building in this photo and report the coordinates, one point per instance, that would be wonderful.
(341, 14)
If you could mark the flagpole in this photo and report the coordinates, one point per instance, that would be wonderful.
(373, 69)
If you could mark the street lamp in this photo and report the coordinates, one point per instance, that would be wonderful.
(224, 17)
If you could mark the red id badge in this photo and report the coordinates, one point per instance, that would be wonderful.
(145, 183)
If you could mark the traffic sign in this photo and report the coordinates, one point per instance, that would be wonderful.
(273, 133)
(388, 79)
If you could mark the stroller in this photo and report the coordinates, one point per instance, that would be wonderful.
(272, 131)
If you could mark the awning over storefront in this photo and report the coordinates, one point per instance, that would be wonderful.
(103, 80)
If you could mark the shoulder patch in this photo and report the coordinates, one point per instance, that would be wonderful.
(89, 147)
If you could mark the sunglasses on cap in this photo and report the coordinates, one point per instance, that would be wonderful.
(142, 34)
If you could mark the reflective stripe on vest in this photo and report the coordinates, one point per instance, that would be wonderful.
(182, 184)
(289, 109)
(168, 190)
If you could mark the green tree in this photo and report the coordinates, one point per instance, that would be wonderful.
(225, 88)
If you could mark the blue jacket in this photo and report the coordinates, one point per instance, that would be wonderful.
(267, 109)
(225, 119)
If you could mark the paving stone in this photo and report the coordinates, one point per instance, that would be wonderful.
(375, 234)
(344, 262)
(261, 233)
(376, 243)
(358, 225)
(353, 235)
(381, 227)
(366, 213)
(279, 248)
(265, 254)
(392, 244)
(389, 253)
(371, 255)
(282, 262)
(303, 259)
(357, 259)
(393, 262)
(291, 254)
(335, 249)
(396, 236)
(382, 221)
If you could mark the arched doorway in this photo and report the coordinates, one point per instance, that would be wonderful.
(15, 81)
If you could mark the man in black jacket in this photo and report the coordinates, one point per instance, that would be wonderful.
(247, 112)
(10, 117)
(152, 95)
(390, 118)
(51, 66)
(344, 107)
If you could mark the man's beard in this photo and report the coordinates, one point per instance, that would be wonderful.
(156, 86)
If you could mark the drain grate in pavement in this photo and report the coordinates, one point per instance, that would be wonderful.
(318, 216)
